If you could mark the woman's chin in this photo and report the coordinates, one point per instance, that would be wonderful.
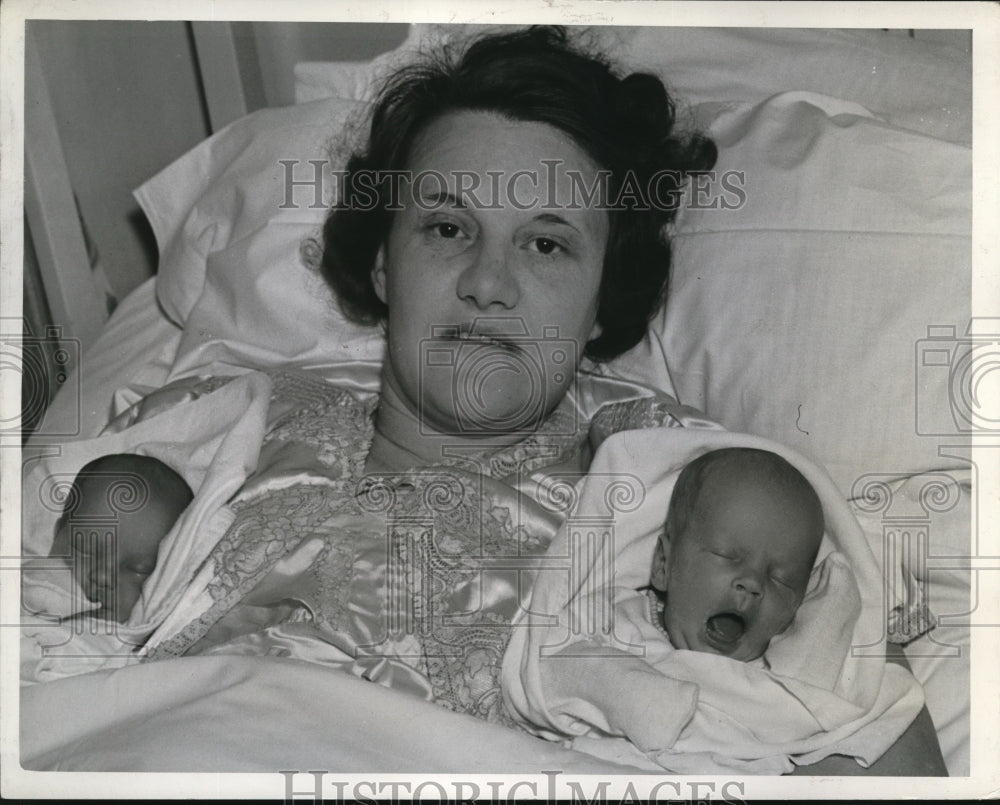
(494, 415)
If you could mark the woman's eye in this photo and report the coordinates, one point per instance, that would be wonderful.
(546, 246)
(446, 229)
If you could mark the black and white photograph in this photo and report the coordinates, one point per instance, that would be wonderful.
(595, 401)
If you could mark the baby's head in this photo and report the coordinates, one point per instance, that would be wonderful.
(736, 553)
(113, 545)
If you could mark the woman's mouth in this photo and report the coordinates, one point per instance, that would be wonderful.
(477, 333)
(488, 340)
(724, 630)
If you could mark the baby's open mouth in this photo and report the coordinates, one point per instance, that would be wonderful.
(725, 629)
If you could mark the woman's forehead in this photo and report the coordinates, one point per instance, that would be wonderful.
(480, 133)
(508, 162)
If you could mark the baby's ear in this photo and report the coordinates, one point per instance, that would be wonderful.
(661, 554)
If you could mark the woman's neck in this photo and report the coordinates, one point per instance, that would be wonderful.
(401, 442)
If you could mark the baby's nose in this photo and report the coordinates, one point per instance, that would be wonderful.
(748, 584)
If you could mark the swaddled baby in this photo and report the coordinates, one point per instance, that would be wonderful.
(730, 569)
(716, 641)
(733, 562)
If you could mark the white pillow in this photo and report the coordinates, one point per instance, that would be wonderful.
(800, 315)
(231, 232)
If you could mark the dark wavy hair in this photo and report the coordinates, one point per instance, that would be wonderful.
(625, 125)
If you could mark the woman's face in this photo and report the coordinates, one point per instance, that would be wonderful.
(490, 274)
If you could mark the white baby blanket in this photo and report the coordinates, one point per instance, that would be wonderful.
(587, 659)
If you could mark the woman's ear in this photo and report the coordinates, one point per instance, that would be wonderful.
(378, 275)
(661, 556)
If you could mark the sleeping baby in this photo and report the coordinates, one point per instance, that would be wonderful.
(119, 509)
(733, 562)
(725, 642)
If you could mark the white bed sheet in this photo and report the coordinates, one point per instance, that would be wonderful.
(260, 714)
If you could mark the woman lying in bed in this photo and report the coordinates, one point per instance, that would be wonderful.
(503, 222)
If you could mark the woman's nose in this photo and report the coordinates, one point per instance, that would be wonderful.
(488, 281)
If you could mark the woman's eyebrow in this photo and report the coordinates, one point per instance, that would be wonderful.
(440, 199)
(552, 218)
